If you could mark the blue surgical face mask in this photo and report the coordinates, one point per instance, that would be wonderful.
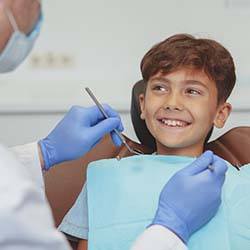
(19, 45)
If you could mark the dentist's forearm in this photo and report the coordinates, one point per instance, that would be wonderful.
(158, 238)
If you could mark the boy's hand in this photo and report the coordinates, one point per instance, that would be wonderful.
(192, 196)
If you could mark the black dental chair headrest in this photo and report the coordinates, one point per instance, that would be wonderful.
(139, 125)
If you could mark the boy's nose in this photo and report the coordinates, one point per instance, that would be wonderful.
(173, 102)
(172, 108)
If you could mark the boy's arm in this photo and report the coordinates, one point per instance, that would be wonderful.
(83, 245)
(75, 222)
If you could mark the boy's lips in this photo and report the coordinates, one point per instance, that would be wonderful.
(173, 122)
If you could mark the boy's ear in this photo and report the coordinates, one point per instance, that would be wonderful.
(142, 106)
(223, 113)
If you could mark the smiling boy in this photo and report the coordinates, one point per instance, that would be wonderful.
(188, 83)
(179, 109)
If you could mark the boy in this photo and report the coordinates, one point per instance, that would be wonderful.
(188, 83)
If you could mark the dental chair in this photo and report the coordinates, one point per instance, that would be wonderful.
(63, 183)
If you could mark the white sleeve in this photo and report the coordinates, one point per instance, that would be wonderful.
(158, 238)
(28, 155)
(25, 218)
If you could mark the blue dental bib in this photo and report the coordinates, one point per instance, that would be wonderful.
(123, 197)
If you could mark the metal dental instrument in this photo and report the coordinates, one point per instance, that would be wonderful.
(119, 134)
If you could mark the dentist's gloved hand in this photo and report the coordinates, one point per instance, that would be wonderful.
(77, 133)
(192, 196)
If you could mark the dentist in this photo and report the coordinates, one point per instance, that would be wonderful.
(25, 218)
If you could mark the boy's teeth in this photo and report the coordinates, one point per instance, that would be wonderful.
(174, 123)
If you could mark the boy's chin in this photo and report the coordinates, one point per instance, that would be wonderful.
(173, 144)
(172, 147)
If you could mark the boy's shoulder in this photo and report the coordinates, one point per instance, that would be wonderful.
(243, 173)
(237, 182)
(244, 170)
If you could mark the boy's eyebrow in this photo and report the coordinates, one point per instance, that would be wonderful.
(157, 78)
(194, 82)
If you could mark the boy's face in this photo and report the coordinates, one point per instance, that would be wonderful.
(180, 108)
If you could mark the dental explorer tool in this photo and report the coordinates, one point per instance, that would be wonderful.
(119, 134)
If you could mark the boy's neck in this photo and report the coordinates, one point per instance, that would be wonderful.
(192, 151)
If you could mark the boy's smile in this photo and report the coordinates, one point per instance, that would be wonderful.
(180, 108)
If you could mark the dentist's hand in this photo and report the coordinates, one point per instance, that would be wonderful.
(79, 131)
(192, 196)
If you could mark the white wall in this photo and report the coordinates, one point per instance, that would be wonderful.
(100, 44)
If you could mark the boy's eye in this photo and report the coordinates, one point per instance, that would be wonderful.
(193, 92)
(159, 88)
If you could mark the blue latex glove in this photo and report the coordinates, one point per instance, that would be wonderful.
(192, 196)
(79, 131)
